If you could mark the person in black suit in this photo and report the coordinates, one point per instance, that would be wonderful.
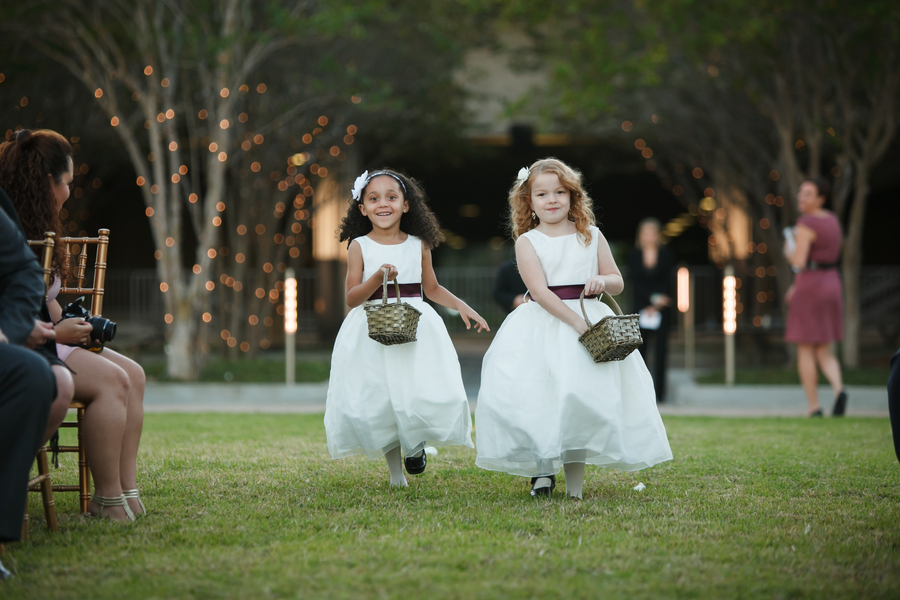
(509, 289)
(894, 401)
(27, 383)
(650, 270)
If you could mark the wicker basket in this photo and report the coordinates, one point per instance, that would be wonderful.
(613, 338)
(391, 324)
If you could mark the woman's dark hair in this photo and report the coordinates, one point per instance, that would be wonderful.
(823, 187)
(418, 221)
(25, 163)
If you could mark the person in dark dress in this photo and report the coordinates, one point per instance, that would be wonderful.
(894, 401)
(27, 383)
(650, 268)
(816, 310)
(509, 289)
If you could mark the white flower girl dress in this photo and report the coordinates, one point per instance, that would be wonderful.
(408, 395)
(544, 402)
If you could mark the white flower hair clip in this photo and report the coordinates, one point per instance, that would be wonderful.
(359, 185)
(522, 177)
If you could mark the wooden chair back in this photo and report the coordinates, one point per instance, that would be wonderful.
(48, 243)
(78, 246)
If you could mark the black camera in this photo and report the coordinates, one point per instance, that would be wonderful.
(103, 331)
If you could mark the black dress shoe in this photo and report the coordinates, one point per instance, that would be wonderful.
(415, 465)
(543, 491)
(816, 413)
(840, 405)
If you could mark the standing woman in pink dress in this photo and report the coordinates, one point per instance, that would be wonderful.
(816, 308)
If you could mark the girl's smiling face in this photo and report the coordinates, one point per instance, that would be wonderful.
(383, 202)
(550, 199)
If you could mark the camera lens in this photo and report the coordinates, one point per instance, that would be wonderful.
(104, 329)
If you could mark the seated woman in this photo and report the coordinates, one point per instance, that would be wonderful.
(36, 171)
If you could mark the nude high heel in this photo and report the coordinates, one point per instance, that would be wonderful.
(105, 501)
(133, 494)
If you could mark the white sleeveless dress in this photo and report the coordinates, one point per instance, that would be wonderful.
(544, 402)
(407, 395)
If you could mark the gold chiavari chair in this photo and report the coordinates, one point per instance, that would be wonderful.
(78, 246)
(41, 483)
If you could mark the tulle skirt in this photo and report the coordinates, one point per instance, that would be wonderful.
(407, 395)
(544, 402)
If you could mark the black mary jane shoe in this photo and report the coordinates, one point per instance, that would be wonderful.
(840, 405)
(415, 465)
(815, 413)
(544, 491)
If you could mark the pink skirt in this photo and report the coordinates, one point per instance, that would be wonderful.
(816, 313)
(63, 351)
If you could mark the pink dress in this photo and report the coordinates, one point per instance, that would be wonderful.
(62, 351)
(816, 313)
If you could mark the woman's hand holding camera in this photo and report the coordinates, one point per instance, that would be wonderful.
(73, 332)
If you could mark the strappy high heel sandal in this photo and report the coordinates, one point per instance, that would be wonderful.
(133, 494)
(105, 501)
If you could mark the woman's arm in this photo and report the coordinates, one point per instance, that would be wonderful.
(358, 291)
(804, 237)
(533, 275)
(442, 296)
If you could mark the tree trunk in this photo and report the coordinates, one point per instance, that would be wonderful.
(182, 350)
(851, 263)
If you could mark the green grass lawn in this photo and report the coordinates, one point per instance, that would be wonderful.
(251, 506)
(874, 376)
(247, 371)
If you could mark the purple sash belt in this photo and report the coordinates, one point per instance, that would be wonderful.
(567, 292)
(407, 290)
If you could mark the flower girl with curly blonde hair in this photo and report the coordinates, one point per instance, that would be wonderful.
(544, 404)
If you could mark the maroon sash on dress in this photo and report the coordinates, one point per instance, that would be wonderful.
(565, 292)
(569, 292)
(407, 290)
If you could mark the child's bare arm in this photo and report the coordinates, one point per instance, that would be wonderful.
(610, 278)
(358, 291)
(442, 295)
(533, 275)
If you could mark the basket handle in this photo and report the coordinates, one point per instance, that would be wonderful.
(384, 294)
(612, 304)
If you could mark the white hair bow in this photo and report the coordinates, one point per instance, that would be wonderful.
(359, 185)
(522, 177)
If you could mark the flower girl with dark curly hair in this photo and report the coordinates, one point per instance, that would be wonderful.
(544, 403)
(384, 400)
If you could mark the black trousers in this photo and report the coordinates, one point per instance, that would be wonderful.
(894, 401)
(27, 388)
(655, 351)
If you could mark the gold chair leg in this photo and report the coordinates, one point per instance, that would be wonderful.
(84, 472)
(47, 490)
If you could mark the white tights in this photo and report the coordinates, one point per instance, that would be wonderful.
(395, 466)
(574, 479)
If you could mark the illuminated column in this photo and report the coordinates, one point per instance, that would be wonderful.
(330, 203)
(686, 307)
(290, 324)
(729, 321)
